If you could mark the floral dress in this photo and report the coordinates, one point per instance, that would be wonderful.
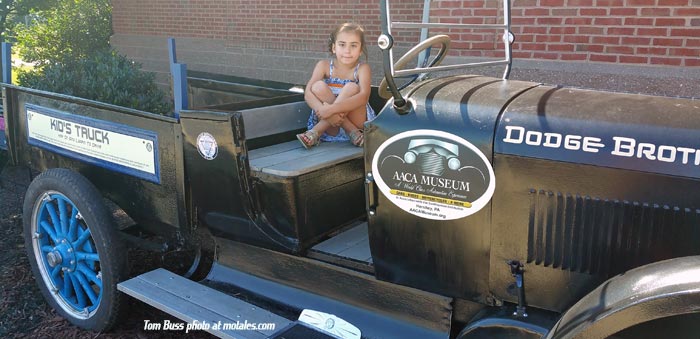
(336, 85)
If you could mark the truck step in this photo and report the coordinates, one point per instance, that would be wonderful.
(202, 306)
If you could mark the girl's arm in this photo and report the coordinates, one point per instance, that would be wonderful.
(364, 75)
(317, 75)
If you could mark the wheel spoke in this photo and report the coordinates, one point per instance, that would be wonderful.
(49, 230)
(54, 218)
(87, 256)
(86, 287)
(46, 248)
(68, 291)
(73, 227)
(89, 274)
(55, 271)
(79, 293)
(81, 240)
(62, 215)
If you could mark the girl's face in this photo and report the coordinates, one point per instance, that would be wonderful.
(347, 48)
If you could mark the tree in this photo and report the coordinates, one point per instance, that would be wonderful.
(10, 9)
(70, 30)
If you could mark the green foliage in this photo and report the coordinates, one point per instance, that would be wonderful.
(105, 76)
(13, 9)
(71, 30)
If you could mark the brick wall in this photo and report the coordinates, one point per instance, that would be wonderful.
(631, 32)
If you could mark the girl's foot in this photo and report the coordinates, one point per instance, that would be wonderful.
(357, 137)
(308, 139)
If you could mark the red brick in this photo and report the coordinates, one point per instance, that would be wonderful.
(535, 30)
(694, 11)
(607, 40)
(593, 11)
(590, 48)
(574, 57)
(673, 3)
(669, 22)
(578, 21)
(624, 11)
(665, 61)
(560, 47)
(652, 31)
(692, 62)
(652, 51)
(619, 50)
(522, 21)
(667, 42)
(546, 56)
(620, 31)
(552, 3)
(603, 58)
(629, 59)
(640, 2)
(692, 43)
(591, 30)
(536, 11)
(607, 21)
(548, 38)
(688, 52)
(639, 21)
(695, 22)
(522, 55)
(577, 39)
(636, 41)
(690, 32)
(579, 3)
(549, 21)
(655, 12)
(534, 47)
(609, 3)
(562, 30)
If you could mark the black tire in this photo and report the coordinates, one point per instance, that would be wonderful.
(74, 250)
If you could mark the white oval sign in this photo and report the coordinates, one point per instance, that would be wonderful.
(433, 174)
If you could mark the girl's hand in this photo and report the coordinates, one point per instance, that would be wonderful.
(323, 113)
(336, 120)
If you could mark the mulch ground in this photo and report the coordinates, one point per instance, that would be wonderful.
(23, 311)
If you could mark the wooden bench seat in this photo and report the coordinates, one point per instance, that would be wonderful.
(291, 159)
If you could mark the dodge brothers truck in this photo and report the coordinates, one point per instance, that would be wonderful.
(478, 207)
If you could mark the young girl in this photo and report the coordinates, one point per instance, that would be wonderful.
(338, 91)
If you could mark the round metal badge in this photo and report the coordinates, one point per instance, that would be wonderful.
(206, 145)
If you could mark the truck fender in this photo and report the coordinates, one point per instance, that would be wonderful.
(661, 289)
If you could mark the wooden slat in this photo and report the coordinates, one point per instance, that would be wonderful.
(291, 159)
(353, 244)
(275, 119)
(190, 301)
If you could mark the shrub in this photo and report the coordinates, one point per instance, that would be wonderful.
(105, 76)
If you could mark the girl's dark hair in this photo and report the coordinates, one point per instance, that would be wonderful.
(348, 27)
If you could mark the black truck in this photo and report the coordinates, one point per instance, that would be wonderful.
(479, 207)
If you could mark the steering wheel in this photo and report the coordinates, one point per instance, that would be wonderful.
(444, 42)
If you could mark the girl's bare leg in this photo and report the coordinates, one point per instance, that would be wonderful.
(321, 90)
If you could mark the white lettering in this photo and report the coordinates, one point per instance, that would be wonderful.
(510, 139)
(624, 147)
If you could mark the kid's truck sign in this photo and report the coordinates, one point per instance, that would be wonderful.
(110, 145)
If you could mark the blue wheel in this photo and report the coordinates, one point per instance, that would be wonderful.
(73, 248)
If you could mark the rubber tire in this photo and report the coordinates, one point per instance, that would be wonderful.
(109, 247)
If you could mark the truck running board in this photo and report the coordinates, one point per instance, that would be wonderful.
(203, 308)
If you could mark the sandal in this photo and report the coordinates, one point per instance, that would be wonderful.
(357, 137)
(308, 139)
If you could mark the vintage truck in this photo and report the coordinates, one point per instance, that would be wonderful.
(478, 208)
